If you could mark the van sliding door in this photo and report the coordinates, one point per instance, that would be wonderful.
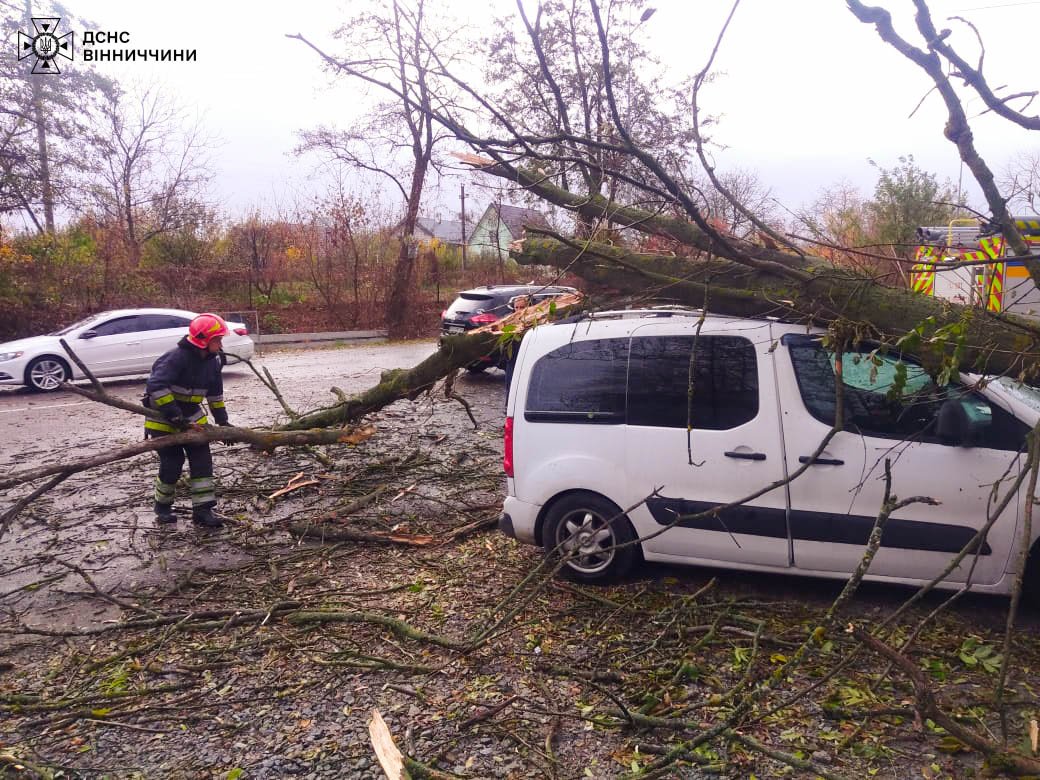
(702, 428)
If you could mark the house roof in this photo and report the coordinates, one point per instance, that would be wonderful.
(516, 217)
(446, 230)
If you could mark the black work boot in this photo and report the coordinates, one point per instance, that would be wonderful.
(204, 516)
(164, 513)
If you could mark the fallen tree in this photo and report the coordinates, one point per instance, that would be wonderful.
(822, 294)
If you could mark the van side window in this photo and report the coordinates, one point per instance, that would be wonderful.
(580, 382)
(724, 379)
(872, 410)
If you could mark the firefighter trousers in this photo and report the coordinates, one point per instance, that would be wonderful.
(200, 469)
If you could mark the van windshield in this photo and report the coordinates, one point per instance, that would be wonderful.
(1027, 394)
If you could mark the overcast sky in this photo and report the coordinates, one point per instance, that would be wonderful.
(806, 92)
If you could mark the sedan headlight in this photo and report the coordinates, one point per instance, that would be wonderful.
(10, 355)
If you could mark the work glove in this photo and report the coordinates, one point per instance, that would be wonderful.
(173, 414)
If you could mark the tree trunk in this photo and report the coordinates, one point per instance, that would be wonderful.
(46, 188)
(398, 302)
(133, 248)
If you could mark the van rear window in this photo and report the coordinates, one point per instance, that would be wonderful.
(580, 382)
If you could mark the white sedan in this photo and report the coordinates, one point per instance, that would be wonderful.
(112, 343)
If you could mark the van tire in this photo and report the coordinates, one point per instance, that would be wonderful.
(609, 551)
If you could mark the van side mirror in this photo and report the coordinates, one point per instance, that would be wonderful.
(962, 421)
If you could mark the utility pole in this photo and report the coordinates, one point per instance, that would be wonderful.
(462, 192)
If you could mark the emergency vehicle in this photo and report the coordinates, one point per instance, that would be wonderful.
(968, 262)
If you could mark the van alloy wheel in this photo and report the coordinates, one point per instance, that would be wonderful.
(586, 540)
(593, 537)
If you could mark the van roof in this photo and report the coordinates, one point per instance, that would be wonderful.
(655, 312)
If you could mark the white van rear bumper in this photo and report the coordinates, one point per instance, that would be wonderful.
(518, 519)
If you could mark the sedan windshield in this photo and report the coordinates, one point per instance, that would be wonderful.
(73, 326)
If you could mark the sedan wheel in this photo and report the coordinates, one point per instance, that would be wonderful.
(46, 374)
(593, 537)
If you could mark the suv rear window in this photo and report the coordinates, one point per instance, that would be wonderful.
(468, 303)
(583, 381)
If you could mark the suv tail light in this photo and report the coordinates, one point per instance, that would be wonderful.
(507, 459)
(484, 319)
(444, 314)
(242, 331)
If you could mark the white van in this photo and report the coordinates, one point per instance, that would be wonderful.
(608, 409)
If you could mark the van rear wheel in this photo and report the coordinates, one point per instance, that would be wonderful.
(592, 535)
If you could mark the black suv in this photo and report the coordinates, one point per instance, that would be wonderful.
(484, 305)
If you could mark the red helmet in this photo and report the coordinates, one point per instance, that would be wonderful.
(204, 328)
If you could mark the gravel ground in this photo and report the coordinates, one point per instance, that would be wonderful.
(135, 652)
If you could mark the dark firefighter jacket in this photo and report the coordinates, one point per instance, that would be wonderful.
(180, 379)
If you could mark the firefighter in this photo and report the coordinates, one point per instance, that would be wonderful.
(180, 379)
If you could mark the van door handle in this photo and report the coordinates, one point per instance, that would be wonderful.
(746, 455)
(821, 461)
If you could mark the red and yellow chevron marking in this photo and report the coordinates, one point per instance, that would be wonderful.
(995, 294)
(1030, 230)
(993, 246)
(922, 273)
(925, 252)
(973, 256)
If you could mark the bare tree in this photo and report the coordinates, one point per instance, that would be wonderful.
(45, 138)
(1021, 182)
(745, 188)
(261, 245)
(152, 168)
(395, 45)
(550, 96)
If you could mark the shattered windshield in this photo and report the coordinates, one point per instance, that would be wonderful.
(1027, 394)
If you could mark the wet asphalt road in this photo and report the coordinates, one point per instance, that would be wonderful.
(42, 424)
(102, 520)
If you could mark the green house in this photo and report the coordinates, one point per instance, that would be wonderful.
(499, 226)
